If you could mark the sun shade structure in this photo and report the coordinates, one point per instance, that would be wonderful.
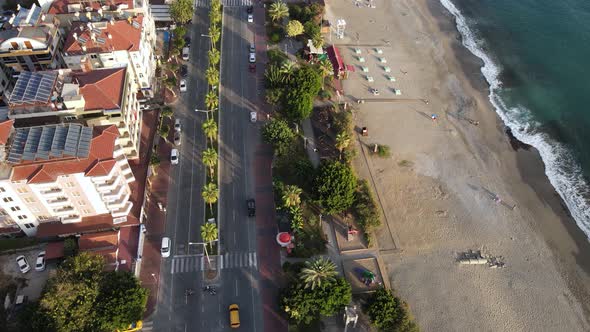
(33, 87)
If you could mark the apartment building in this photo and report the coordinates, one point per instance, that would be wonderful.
(62, 174)
(125, 42)
(95, 98)
(32, 42)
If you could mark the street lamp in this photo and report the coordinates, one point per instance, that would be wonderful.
(154, 276)
(204, 247)
(210, 39)
(206, 111)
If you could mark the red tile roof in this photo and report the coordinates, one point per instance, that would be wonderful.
(100, 240)
(101, 167)
(61, 6)
(100, 222)
(54, 250)
(101, 148)
(120, 36)
(102, 89)
(5, 128)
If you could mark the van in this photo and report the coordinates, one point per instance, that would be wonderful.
(165, 249)
(234, 316)
(185, 53)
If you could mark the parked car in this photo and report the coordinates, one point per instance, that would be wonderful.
(251, 204)
(165, 248)
(253, 117)
(184, 70)
(187, 41)
(252, 67)
(177, 126)
(183, 85)
(40, 264)
(185, 53)
(174, 156)
(234, 316)
(252, 57)
(250, 18)
(250, 9)
(252, 48)
(177, 139)
(23, 265)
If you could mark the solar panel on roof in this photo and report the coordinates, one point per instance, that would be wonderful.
(82, 40)
(136, 25)
(101, 40)
(96, 31)
(59, 140)
(84, 144)
(33, 87)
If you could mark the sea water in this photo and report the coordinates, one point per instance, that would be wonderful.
(536, 56)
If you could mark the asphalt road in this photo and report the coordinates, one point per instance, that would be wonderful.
(238, 263)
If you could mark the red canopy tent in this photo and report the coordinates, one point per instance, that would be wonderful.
(336, 59)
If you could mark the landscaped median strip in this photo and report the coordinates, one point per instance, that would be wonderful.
(210, 157)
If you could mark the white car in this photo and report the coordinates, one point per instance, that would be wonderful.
(174, 157)
(253, 117)
(165, 248)
(177, 125)
(183, 85)
(23, 265)
(40, 264)
(252, 57)
(250, 18)
(185, 52)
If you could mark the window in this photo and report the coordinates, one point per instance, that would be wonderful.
(81, 203)
(42, 217)
(30, 226)
(3, 213)
(35, 209)
(2, 190)
(70, 184)
(76, 194)
(140, 75)
(22, 190)
(29, 200)
(22, 217)
(93, 56)
(7, 199)
(15, 208)
(85, 211)
(28, 44)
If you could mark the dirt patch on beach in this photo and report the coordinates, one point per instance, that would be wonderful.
(455, 183)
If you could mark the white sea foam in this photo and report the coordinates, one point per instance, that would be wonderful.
(560, 167)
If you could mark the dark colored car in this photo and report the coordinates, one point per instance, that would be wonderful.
(252, 67)
(251, 207)
(187, 41)
(184, 70)
(250, 9)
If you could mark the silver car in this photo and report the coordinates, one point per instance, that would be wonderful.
(23, 265)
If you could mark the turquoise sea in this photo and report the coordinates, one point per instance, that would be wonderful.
(537, 62)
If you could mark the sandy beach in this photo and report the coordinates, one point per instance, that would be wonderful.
(451, 186)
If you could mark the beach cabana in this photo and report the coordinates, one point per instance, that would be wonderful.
(336, 60)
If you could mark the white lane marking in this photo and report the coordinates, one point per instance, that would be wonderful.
(202, 263)
(250, 259)
(255, 260)
(172, 266)
(221, 263)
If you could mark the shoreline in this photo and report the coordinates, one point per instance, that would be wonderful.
(440, 205)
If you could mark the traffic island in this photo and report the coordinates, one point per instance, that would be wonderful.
(211, 271)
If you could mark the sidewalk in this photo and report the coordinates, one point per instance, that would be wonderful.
(155, 219)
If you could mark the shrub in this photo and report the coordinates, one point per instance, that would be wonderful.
(278, 133)
(383, 151)
(365, 210)
(388, 313)
(70, 247)
(334, 186)
(275, 38)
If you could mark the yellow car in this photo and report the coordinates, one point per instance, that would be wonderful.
(234, 316)
(133, 327)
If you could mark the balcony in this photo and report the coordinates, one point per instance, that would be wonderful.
(129, 177)
(108, 185)
(124, 211)
(65, 209)
(53, 192)
(103, 178)
(113, 194)
(71, 219)
(58, 201)
(117, 204)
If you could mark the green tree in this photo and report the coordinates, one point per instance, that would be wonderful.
(274, 76)
(211, 100)
(210, 160)
(278, 10)
(277, 133)
(311, 29)
(342, 142)
(334, 186)
(181, 11)
(318, 271)
(164, 131)
(317, 41)
(307, 79)
(325, 68)
(388, 313)
(291, 196)
(214, 34)
(170, 84)
(212, 75)
(210, 129)
(304, 305)
(167, 112)
(365, 210)
(296, 216)
(298, 105)
(121, 301)
(287, 70)
(294, 28)
(209, 233)
(214, 57)
(154, 162)
(210, 194)
(273, 96)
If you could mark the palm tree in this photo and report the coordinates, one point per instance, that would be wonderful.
(211, 100)
(287, 69)
(170, 84)
(273, 76)
(210, 129)
(342, 142)
(325, 67)
(210, 159)
(167, 112)
(278, 10)
(318, 271)
(210, 194)
(214, 57)
(214, 34)
(291, 195)
(209, 233)
(212, 75)
(296, 218)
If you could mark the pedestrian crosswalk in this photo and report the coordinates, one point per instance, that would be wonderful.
(226, 3)
(195, 263)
